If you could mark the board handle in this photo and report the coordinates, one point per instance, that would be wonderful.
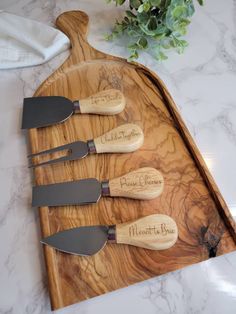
(107, 102)
(123, 139)
(154, 232)
(144, 184)
(75, 25)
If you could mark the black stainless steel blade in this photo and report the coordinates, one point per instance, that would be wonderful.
(46, 110)
(86, 240)
(69, 193)
(76, 150)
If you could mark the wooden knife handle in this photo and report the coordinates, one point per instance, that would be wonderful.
(123, 139)
(145, 184)
(154, 232)
(107, 102)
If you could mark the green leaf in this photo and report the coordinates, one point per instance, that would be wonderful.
(191, 9)
(181, 46)
(133, 54)
(133, 57)
(152, 24)
(166, 44)
(201, 2)
(130, 14)
(162, 56)
(135, 3)
(140, 8)
(146, 31)
(159, 37)
(108, 37)
(179, 11)
(143, 17)
(184, 22)
(133, 46)
(146, 6)
(142, 43)
(159, 55)
(155, 3)
(120, 2)
(118, 28)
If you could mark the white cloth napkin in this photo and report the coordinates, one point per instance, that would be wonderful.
(25, 42)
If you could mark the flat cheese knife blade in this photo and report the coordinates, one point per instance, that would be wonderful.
(86, 240)
(144, 183)
(48, 110)
(154, 232)
(80, 192)
(44, 111)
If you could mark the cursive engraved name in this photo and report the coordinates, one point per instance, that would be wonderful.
(121, 135)
(139, 181)
(97, 100)
(162, 230)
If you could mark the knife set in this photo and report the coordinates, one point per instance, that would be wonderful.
(154, 232)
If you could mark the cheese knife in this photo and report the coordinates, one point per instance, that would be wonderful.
(123, 139)
(144, 183)
(153, 232)
(47, 110)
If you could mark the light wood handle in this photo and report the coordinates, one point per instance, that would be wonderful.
(123, 139)
(107, 102)
(144, 183)
(154, 232)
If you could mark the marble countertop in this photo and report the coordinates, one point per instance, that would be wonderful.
(203, 83)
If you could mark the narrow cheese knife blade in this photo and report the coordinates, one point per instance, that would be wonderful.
(84, 241)
(143, 183)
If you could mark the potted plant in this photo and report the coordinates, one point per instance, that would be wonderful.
(157, 25)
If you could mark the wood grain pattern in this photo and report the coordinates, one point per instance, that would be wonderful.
(153, 232)
(144, 184)
(190, 197)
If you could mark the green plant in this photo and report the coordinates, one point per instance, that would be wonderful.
(154, 24)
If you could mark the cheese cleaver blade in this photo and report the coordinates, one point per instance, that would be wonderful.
(154, 232)
(48, 110)
(144, 183)
(80, 192)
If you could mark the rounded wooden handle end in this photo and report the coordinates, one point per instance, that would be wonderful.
(154, 232)
(123, 139)
(107, 102)
(144, 183)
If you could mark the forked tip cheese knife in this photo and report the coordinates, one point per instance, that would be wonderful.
(47, 110)
(154, 232)
(144, 183)
(123, 139)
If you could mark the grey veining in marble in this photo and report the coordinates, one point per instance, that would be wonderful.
(203, 84)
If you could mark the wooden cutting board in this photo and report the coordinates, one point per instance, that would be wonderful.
(190, 196)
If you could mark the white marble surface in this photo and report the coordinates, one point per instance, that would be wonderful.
(203, 84)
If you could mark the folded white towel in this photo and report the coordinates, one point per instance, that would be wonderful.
(25, 42)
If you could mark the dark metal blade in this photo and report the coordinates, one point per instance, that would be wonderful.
(86, 240)
(46, 110)
(69, 193)
(75, 150)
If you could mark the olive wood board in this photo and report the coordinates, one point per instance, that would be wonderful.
(190, 195)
